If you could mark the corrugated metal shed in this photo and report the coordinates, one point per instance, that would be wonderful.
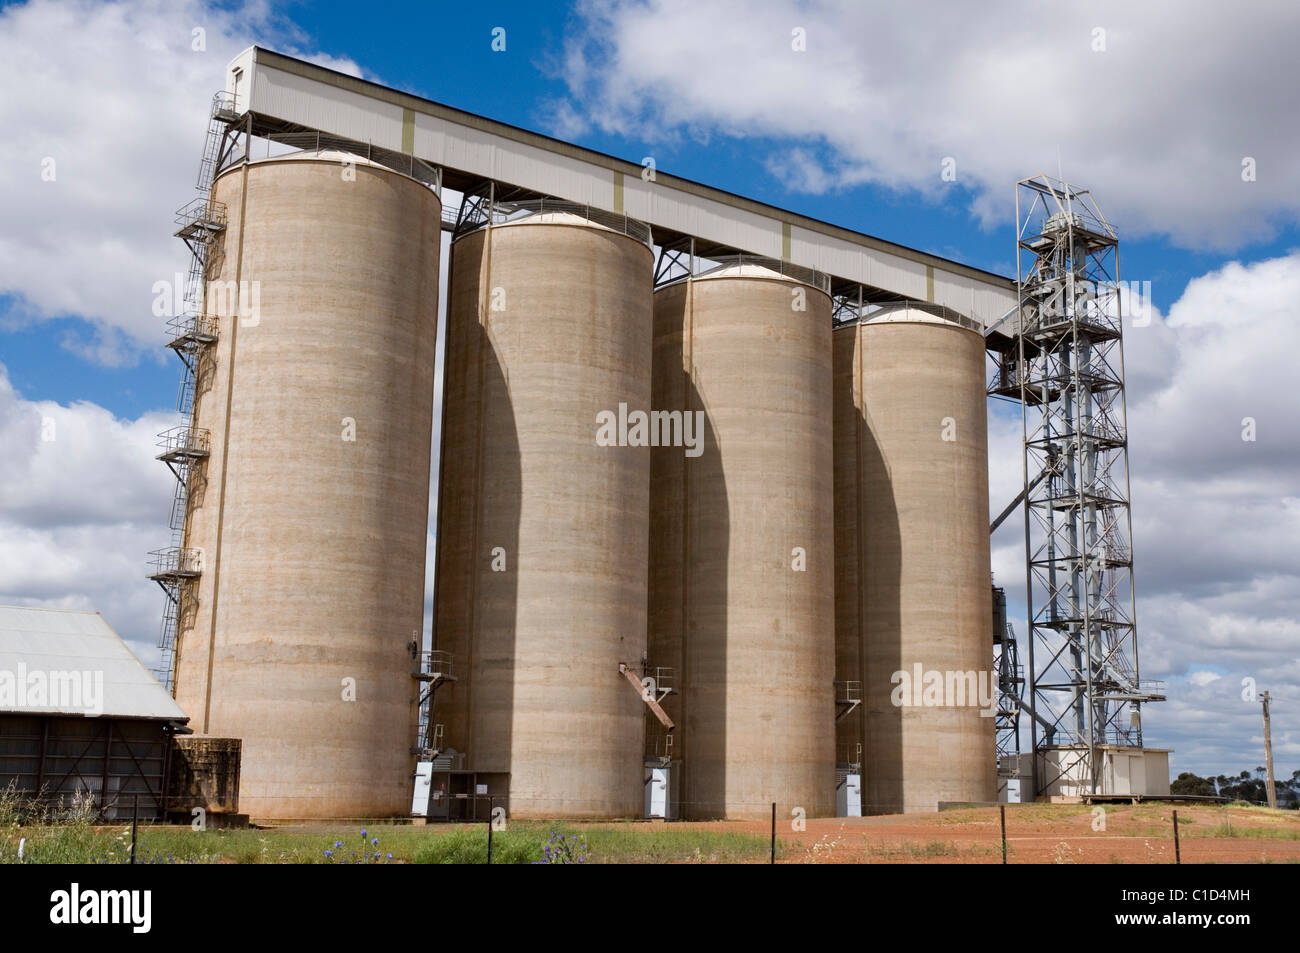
(60, 640)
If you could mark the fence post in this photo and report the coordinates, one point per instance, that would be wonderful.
(135, 815)
(773, 860)
(1002, 812)
(490, 800)
(1178, 854)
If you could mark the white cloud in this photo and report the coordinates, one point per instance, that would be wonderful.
(1157, 125)
(82, 501)
(116, 97)
(800, 171)
(564, 119)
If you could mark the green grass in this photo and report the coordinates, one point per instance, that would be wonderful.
(926, 851)
(47, 834)
(73, 839)
(84, 844)
(664, 844)
(469, 846)
(1256, 808)
(1042, 812)
(1238, 831)
(629, 843)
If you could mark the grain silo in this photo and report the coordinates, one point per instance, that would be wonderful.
(542, 543)
(312, 521)
(913, 588)
(741, 603)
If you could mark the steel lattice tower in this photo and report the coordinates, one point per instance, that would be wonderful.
(1083, 656)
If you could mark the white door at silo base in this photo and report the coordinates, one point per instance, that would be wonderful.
(849, 797)
(423, 781)
(656, 793)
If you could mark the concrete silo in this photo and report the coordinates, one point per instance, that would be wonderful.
(741, 602)
(913, 596)
(542, 544)
(312, 521)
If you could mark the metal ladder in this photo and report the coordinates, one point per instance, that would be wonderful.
(192, 335)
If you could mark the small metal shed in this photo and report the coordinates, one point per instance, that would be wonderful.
(80, 715)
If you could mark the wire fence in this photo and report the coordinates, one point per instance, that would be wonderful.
(1098, 832)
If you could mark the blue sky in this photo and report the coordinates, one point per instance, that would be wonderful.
(851, 131)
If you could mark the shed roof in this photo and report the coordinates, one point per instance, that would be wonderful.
(37, 640)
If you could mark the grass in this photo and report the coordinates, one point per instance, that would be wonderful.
(70, 836)
(51, 834)
(662, 844)
(927, 851)
(1237, 830)
(469, 846)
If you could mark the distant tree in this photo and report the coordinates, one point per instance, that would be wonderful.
(1191, 785)
(1246, 789)
(1240, 787)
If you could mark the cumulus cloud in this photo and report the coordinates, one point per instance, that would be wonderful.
(82, 500)
(112, 98)
(799, 170)
(1158, 122)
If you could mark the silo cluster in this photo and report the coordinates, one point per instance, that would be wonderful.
(705, 485)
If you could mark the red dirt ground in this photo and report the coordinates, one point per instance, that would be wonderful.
(1042, 833)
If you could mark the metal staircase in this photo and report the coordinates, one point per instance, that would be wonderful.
(848, 697)
(431, 670)
(192, 336)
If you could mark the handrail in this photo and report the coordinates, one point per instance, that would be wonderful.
(505, 213)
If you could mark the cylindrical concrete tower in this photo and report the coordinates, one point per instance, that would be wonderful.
(542, 543)
(312, 518)
(913, 585)
(742, 577)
